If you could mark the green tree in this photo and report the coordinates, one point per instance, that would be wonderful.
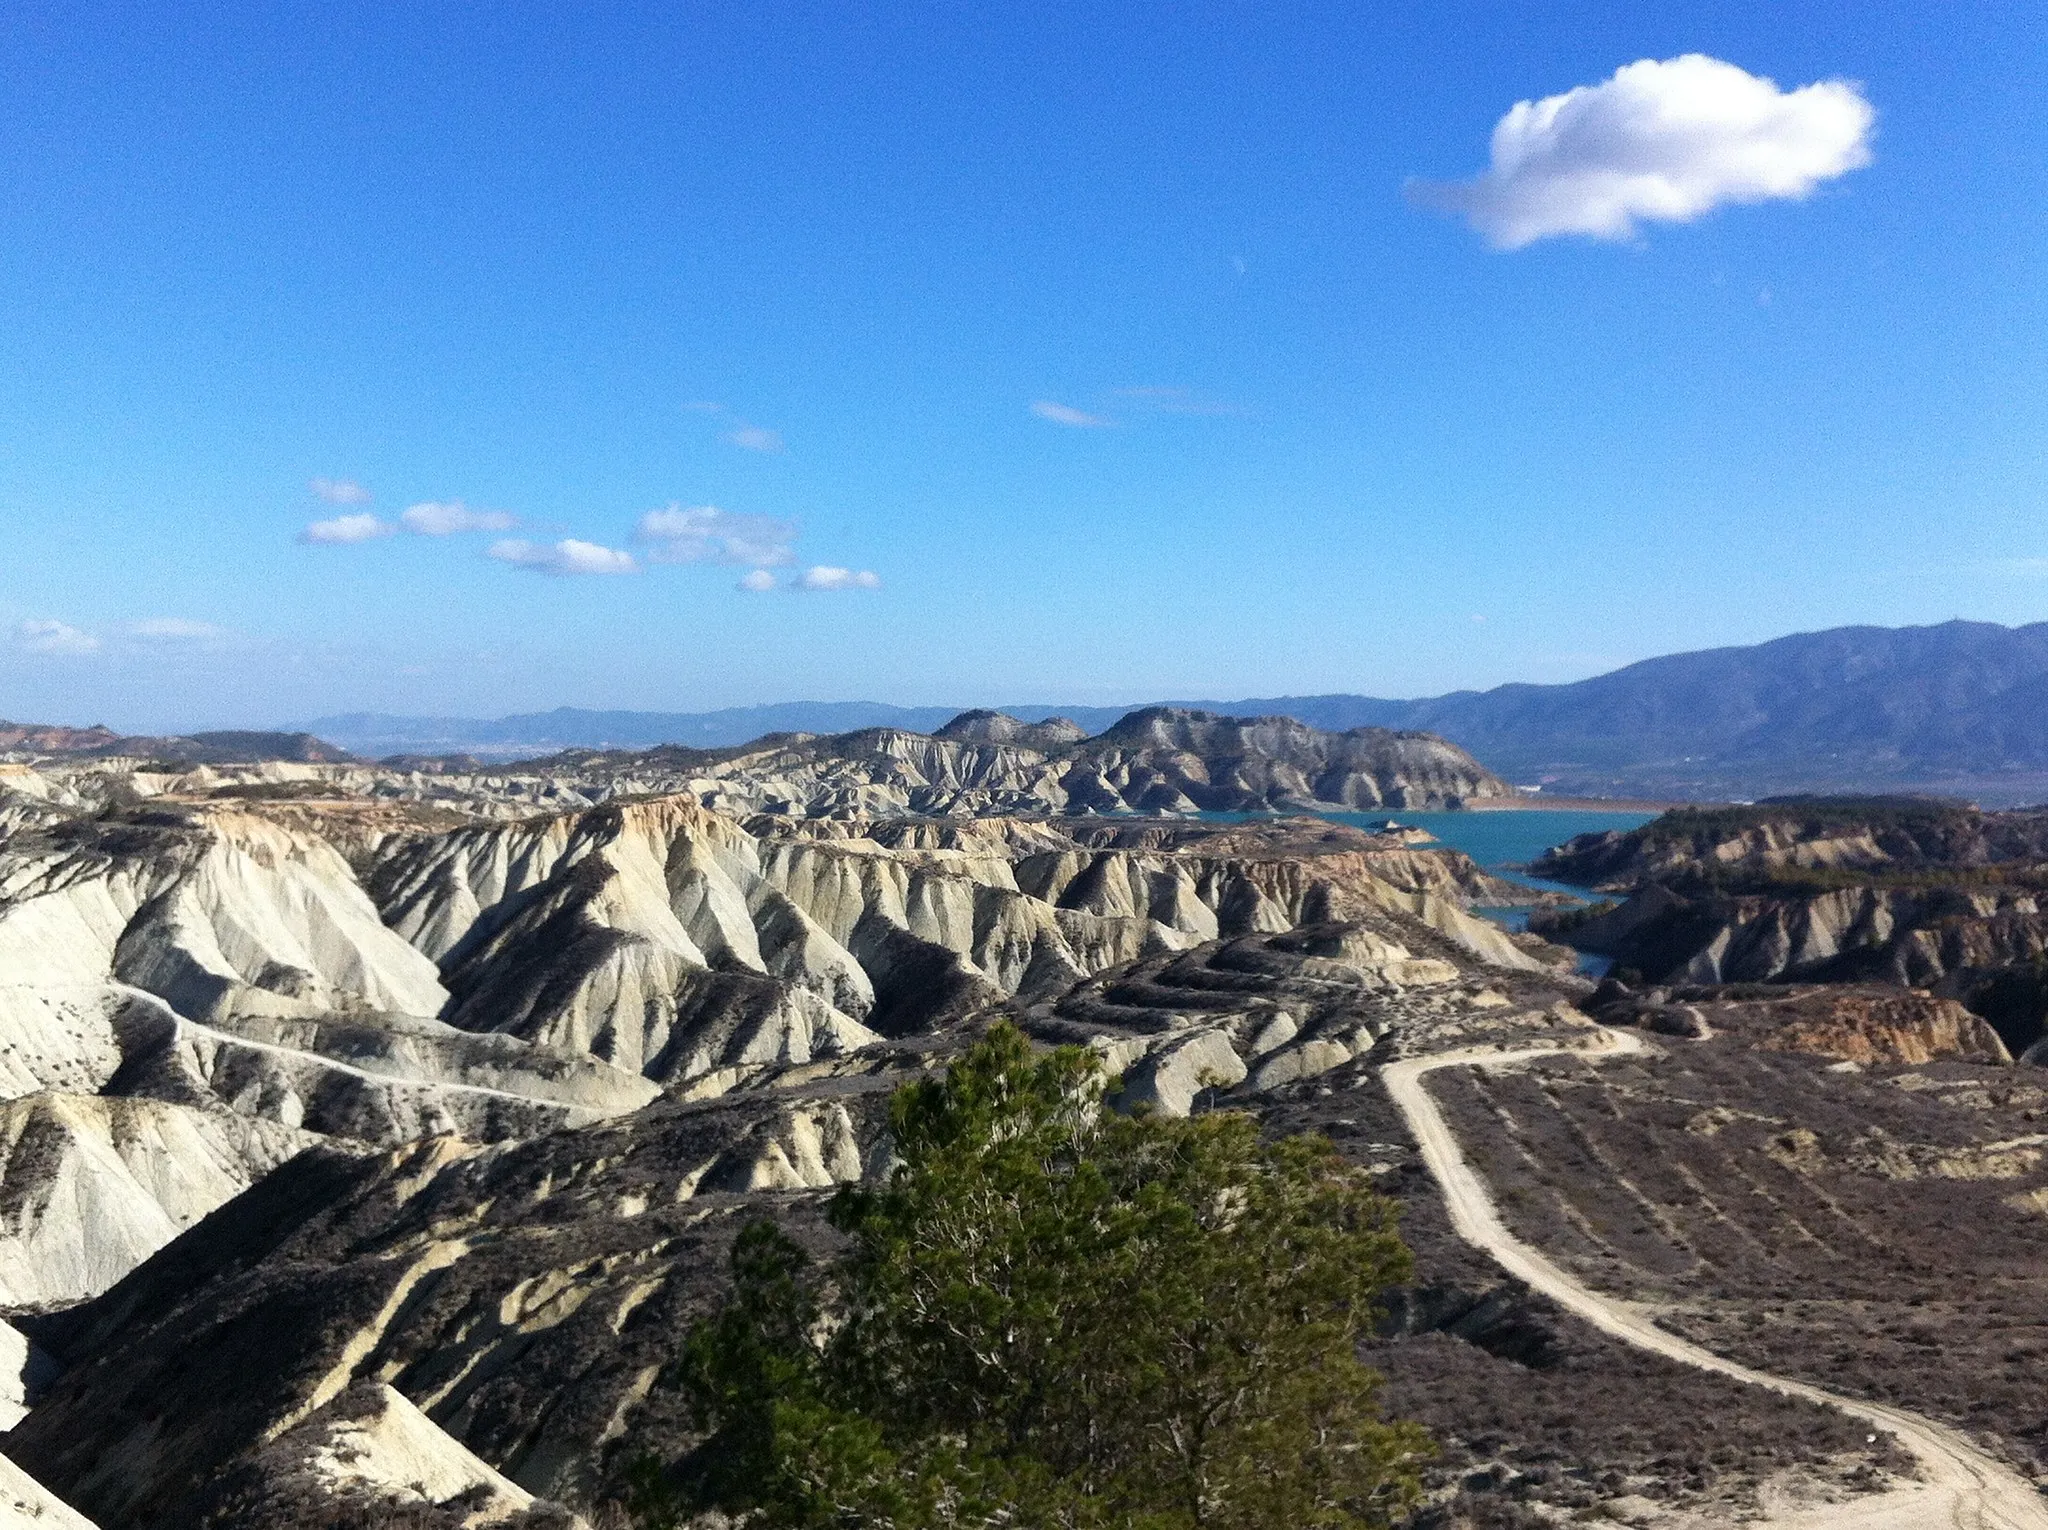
(1051, 1314)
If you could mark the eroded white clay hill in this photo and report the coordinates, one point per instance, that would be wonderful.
(202, 973)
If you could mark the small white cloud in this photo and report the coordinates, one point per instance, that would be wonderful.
(707, 534)
(446, 518)
(339, 491)
(1061, 414)
(756, 438)
(55, 637)
(175, 629)
(825, 577)
(568, 556)
(758, 582)
(1662, 142)
(346, 529)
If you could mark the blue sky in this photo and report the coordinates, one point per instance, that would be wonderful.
(815, 265)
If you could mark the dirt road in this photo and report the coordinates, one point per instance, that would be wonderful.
(1962, 1487)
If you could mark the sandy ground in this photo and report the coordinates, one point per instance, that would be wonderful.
(1961, 1486)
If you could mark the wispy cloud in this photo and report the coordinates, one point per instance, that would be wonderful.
(1063, 414)
(345, 530)
(446, 518)
(1182, 401)
(758, 582)
(824, 577)
(339, 491)
(175, 630)
(1659, 141)
(568, 556)
(754, 438)
(49, 636)
(707, 534)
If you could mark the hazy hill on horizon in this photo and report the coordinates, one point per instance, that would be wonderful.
(1961, 707)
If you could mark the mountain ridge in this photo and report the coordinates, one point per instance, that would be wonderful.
(1959, 706)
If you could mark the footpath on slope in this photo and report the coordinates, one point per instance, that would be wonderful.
(1963, 1487)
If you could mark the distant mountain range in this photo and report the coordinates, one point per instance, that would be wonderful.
(1961, 708)
(231, 746)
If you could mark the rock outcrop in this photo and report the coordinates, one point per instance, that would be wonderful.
(1803, 839)
(1913, 937)
(984, 727)
(1862, 1023)
(1914, 894)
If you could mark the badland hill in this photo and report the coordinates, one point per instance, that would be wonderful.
(369, 1135)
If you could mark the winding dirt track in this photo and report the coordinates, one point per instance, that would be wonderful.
(1962, 1487)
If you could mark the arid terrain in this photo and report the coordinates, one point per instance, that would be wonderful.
(375, 1131)
(1903, 893)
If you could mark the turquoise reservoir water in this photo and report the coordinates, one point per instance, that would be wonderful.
(1501, 843)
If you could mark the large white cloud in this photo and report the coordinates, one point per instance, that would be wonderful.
(567, 556)
(447, 517)
(346, 529)
(1661, 141)
(48, 635)
(707, 534)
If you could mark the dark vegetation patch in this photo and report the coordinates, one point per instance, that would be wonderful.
(1529, 1405)
(1869, 1231)
(1560, 921)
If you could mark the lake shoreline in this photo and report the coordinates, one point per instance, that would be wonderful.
(1541, 804)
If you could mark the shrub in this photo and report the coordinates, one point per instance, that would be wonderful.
(1051, 1314)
